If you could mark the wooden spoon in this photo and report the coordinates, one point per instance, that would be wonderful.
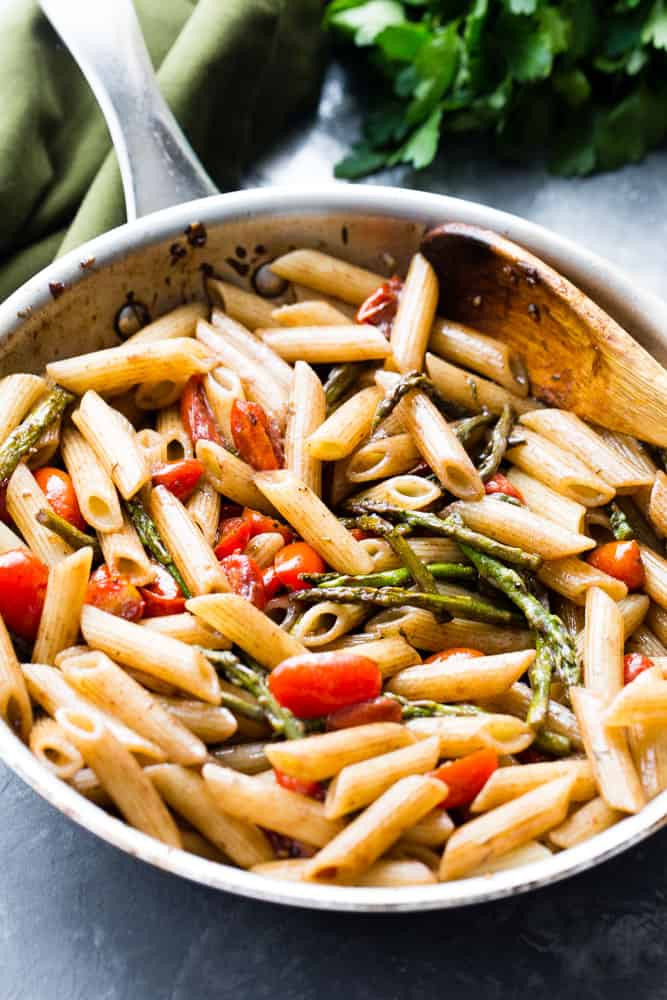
(578, 358)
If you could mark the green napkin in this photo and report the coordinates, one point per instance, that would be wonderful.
(231, 70)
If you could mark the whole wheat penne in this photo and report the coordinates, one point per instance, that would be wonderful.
(125, 555)
(222, 388)
(192, 554)
(380, 553)
(24, 502)
(326, 621)
(264, 547)
(560, 719)
(603, 645)
(378, 827)
(152, 652)
(505, 828)
(231, 476)
(253, 348)
(15, 707)
(102, 681)
(472, 392)
(655, 573)
(574, 578)
(327, 344)
(391, 654)
(560, 469)
(188, 629)
(522, 527)
(48, 687)
(508, 783)
(49, 743)
(590, 819)
(268, 804)
(177, 443)
(178, 322)
(531, 853)
(113, 439)
(474, 350)
(633, 610)
(306, 412)
(547, 502)
(643, 640)
(421, 629)
(407, 492)
(18, 394)
(309, 312)
(462, 678)
(460, 735)
(356, 785)
(117, 368)
(644, 701)
(657, 507)
(119, 774)
(210, 723)
(258, 383)
(607, 750)
(245, 307)
(313, 521)
(412, 324)
(246, 626)
(382, 457)
(432, 831)
(65, 594)
(347, 426)
(325, 754)
(328, 275)
(152, 446)
(203, 508)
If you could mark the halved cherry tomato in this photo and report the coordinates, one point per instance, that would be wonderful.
(380, 308)
(634, 664)
(359, 534)
(23, 580)
(115, 594)
(271, 582)
(180, 478)
(312, 788)
(234, 535)
(57, 487)
(376, 710)
(456, 651)
(319, 683)
(621, 560)
(163, 596)
(501, 484)
(295, 559)
(245, 578)
(253, 436)
(196, 413)
(466, 777)
(260, 523)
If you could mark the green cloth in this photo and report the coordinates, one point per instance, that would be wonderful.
(232, 71)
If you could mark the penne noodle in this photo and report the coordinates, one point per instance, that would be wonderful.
(531, 853)
(119, 774)
(325, 622)
(194, 843)
(210, 723)
(63, 601)
(431, 831)
(268, 804)
(152, 446)
(467, 347)
(152, 652)
(315, 312)
(246, 626)
(114, 441)
(472, 392)
(9, 540)
(306, 412)
(15, 707)
(222, 388)
(412, 324)
(560, 719)
(176, 440)
(633, 609)
(231, 477)
(421, 630)
(18, 395)
(346, 428)
(574, 579)
(657, 507)
(87, 784)
(253, 348)
(179, 322)
(508, 783)
(505, 828)
(125, 555)
(560, 469)
(192, 554)
(322, 345)
(460, 735)
(45, 447)
(156, 395)
(656, 620)
(391, 654)
(325, 754)
(521, 527)
(50, 744)
(188, 629)
(648, 746)
(389, 874)
(548, 503)
(203, 508)
(603, 645)
(407, 492)
(655, 573)
(245, 307)
(264, 547)
(642, 702)
(328, 275)
(590, 819)
(24, 502)
(462, 678)
(643, 640)
(382, 457)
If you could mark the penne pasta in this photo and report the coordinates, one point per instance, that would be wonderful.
(306, 412)
(547, 502)
(210, 723)
(516, 701)
(406, 492)
(328, 275)
(432, 831)
(231, 477)
(657, 506)
(656, 619)
(24, 502)
(63, 601)
(560, 469)
(346, 428)
(310, 312)
(472, 392)
(18, 395)
(508, 783)
(460, 735)
(263, 548)
(574, 579)
(382, 457)
(245, 307)
(421, 630)
(325, 754)
(603, 645)
(531, 853)
(655, 573)
(222, 387)
(253, 348)
(15, 707)
(188, 629)
(322, 345)
(246, 626)
(113, 439)
(9, 539)
(412, 324)
(176, 440)
(521, 527)
(462, 678)
(156, 395)
(203, 508)
(192, 554)
(467, 347)
(643, 640)
(642, 702)
(324, 622)
(391, 654)
(590, 819)
(50, 744)
(179, 322)
(125, 555)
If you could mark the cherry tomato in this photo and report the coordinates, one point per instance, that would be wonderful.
(376, 710)
(271, 582)
(196, 413)
(163, 596)
(245, 578)
(57, 487)
(295, 559)
(380, 308)
(115, 594)
(253, 436)
(501, 484)
(621, 560)
(311, 788)
(261, 523)
(360, 534)
(456, 651)
(466, 777)
(180, 478)
(315, 684)
(23, 580)
(634, 664)
(234, 535)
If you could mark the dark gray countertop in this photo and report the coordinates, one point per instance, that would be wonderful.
(81, 921)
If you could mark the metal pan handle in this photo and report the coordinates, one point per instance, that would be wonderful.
(157, 163)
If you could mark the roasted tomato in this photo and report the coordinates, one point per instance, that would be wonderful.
(233, 535)
(376, 710)
(466, 777)
(311, 788)
(501, 484)
(380, 308)
(295, 559)
(196, 413)
(23, 580)
(115, 594)
(320, 683)
(621, 560)
(271, 582)
(456, 651)
(163, 596)
(245, 578)
(57, 487)
(254, 436)
(180, 478)
(261, 523)
(634, 664)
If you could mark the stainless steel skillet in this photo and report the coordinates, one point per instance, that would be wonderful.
(71, 307)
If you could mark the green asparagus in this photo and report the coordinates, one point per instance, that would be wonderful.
(424, 708)
(390, 577)
(466, 428)
(620, 526)
(406, 383)
(553, 743)
(540, 681)
(495, 451)
(242, 707)
(28, 433)
(60, 526)
(393, 534)
(340, 380)
(150, 539)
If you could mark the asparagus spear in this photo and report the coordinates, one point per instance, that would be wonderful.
(241, 707)
(540, 682)
(507, 580)
(424, 708)
(450, 527)
(252, 678)
(28, 433)
(553, 743)
(150, 539)
(470, 606)
(394, 535)
(390, 577)
(621, 528)
(340, 379)
(466, 427)
(495, 451)
(77, 539)
(406, 383)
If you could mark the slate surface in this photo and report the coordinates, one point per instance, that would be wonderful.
(81, 921)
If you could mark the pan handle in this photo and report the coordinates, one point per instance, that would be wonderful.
(158, 166)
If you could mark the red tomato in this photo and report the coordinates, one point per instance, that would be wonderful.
(463, 651)
(312, 788)
(319, 683)
(376, 710)
(621, 560)
(261, 523)
(180, 478)
(466, 777)
(501, 484)
(57, 487)
(196, 413)
(295, 559)
(271, 582)
(380, 308)
(23, 579)
(163, 596)
(253, 436)
(234, 535)
(634, 664)
(245, 578)
(359, 534)
(113, 593)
